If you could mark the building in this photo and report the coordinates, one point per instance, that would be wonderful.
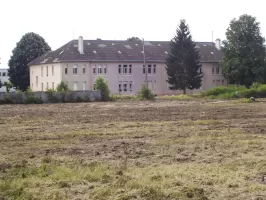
(80, 62)
(3, 78)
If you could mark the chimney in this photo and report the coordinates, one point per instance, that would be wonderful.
(218, 44)
(80, 45)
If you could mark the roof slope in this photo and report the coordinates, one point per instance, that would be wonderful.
(120, 51)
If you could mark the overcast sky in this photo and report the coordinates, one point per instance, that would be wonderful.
(59, 21)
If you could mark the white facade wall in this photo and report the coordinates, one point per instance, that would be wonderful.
(82, 76)
(43, 77)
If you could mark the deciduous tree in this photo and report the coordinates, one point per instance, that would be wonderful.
(27, 49)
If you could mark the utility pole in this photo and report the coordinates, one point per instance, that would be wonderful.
(144, 59)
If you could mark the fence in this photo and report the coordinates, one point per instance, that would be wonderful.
(49, 97)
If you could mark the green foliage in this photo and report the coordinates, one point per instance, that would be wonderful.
(19, 96)
(244, 54)
(27, 49)
(31, 98)
(183, 62)
(62, 87)
(7, 99)
(79, 99)
(8, 86)
(257, 90)
(145, 93)
(133, 39)
(51, 94)
(176, 97)
(102, 86)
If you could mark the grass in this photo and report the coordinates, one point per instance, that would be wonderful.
(175, 97)
(133, 150)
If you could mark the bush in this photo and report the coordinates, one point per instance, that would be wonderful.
(62, 87)
(30, 97)
(79, 99)
(145, 93)
(102, 86)
(51, 94)
(19, 96)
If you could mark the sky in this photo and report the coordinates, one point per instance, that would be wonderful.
(59, 21)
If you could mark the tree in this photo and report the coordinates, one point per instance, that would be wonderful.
(244, 54)
(182, 62)
(8, 86)
(101, 85)
(27, 49)
(133, 39)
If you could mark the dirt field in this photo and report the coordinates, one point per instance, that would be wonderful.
(154, 150)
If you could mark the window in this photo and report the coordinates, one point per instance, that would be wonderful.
(218, 83)
(42, 86)
(120, 86)
(213, 81)
(47, 85)
(119, 69)
(105, 69)
(52, 70)
(124, 69)
(75, 86)
(66, 69)
(125, 86)
(84, 85)
(144, 69)
(200, 70)
(53, 85)
(213, 70)
(130, 69)
(94, 69)
(4, 74)
(42, 71)
(83, 69)
(149, 69)
(99, 69)
(130, 85)
(75, 69)
(217, 70)
(0, 73)
(154, 85)
(46, 70)
(222, 82)
(36, 81)
(154, 69)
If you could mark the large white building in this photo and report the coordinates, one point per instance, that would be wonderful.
(80, 62)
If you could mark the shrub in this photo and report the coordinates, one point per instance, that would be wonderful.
(102, 86)
(30, 97)
(145, 93)
(62, 87)
(79, 99)
(7, 99)
(51, 94)
(19, 96)
(8, 85)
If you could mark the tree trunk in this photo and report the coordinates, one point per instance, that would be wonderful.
(184, 91)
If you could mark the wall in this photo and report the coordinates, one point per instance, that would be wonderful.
(93, 95)
(157, 81)
(51, 79)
